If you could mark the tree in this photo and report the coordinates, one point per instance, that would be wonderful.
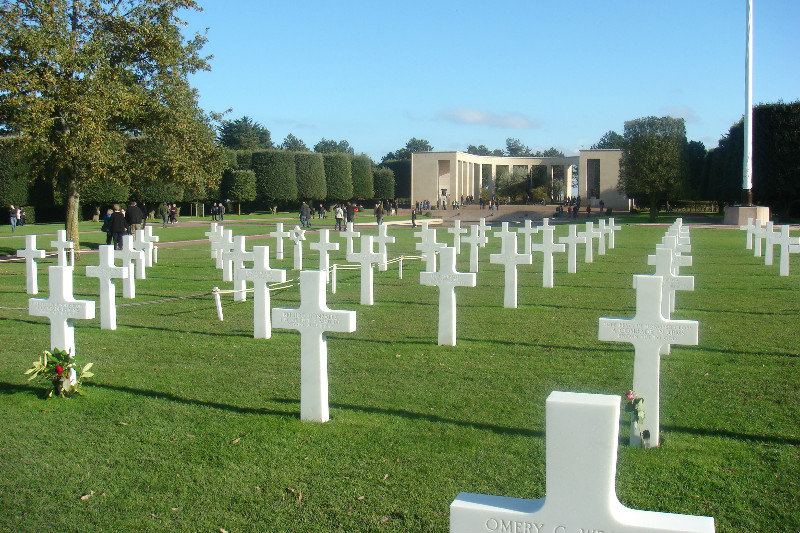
(244, 134)
(515, 148)
(310, 176)
(610, 139)
(14, 176)
(326, 146)
(550, 152)
(97, 89)
(338, 177)
(483, 150)
(293, 144)
(383, 179)
(695, 157)
(275, 176)
(413, 145)
(239, 186)
(652, 166)
(361, 171)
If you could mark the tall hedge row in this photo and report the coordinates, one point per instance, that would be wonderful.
(383, 179)
(402, 177)
(14, 177)
(338, 177)
(362, 176)
(276, 180)
(238, 185)
(310, 176)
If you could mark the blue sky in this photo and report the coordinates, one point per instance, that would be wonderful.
(551, 73)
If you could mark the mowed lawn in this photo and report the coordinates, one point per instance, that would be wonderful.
(192, 425)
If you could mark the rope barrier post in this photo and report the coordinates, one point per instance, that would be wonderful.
(400, 268)
(155, 253)
(333, 279)
(218, 302)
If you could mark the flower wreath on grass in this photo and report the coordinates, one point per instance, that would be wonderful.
(59, 367)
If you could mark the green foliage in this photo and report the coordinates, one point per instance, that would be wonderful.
(15, 175)
(107, 191)
(238, 185)
(402, 177)
(311, 176)
(383, 180)
(652, 166)
(329, 146)
(610, 140)
(244, 134)
(231, 160)
(155, 191)
(293, 144)
(694, 158)
(244, 159)
(413, 145)
(338, 176)
(515, 148)
(56, 367)
(275, 176)
(361, 170)
(483, 150)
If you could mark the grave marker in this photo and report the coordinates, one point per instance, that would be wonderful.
(366, 257)
(323, 247)
(447, 279)
(590, 234)
(580, 482)
(648, 331)
(224, 247)
(148, 233)
(614, 228)
(128, 256)
(214, 236)
(128, 245)
(61, 308)
(382, 240)
(474, 239)
(572, 240)
(106, 271)
(510, 258)
(260, 275)
(298, 235)
(61, 244)
(30, 253)
(349, 234)
(528, 229)
(237, 257)
(279, 234)
(758, 234)
(769, 243)
(785, 244)
(313, 320)
(141, 242)
(482, 229)
(749, 228)
(547, 247)
(428, 249)
(457, 231)
(601, 243)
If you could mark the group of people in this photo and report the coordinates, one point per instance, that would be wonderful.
(16, 217)
(218, 211)
(118, 222)
(342, 213)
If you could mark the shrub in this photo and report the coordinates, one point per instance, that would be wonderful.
(275, 176)
(384, 186)
(338, 177)
(361, 169)
(310, 176)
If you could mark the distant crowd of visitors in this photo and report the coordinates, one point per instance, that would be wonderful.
(344, 212)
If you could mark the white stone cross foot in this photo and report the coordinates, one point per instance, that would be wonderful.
(324, 246)
(482, 229)
(382, 240)
(279, 234)
(749, 228)
(129, 256)
(785, 245)
(758, 233)
(260, 275)
(548, 248)
(366, 258)
(580, 482)
(61, 308)
(475, 240)
(648, 331)
(141, 242)
(447, 279)
(224, 246)
(428, 249)
(457, 231)
(313, 320)
(590, 234)
(614, 228)
(237, 257)
(61, 244)
(510, 258)
(214, 235)
(297, 236)
(528, 229)
(572, 240)
(349, 234)
(106, 271)
(30, 253)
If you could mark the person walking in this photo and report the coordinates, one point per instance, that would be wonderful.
(118, 227)
(351, 212)
(413, 218)
(379, 212)
(12, 217)
(107, 226)
(133, 217)
(305, 215)
(221, 211)
(214, 211)
(338, 213)
(164, 212)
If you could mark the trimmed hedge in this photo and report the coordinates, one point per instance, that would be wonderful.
(238, 185)
(402, 177)
(361, 170)
(383, 179)
(244, 159)
(310, 176)
(275, 174)
(14, 176)
(338, 177)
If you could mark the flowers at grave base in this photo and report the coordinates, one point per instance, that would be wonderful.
(59, 367)
(635, 406)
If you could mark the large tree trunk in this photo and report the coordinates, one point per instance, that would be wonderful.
(653, 208)
(73, 210)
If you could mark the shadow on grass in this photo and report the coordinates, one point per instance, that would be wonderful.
(772, 439)
(602, 348)
(411, 415)
(13, 388)
(739, 352)
(172, 330)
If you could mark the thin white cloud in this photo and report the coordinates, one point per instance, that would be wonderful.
(462, 115)
(681, 111)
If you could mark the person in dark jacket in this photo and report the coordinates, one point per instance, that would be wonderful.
(133, 217)
(118, 227)
(305, 215)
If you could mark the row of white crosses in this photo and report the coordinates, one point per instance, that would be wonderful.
(758, 232)
(652, 331)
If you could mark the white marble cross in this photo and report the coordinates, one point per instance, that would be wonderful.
(528, 229)
(482, 229)
(502, 233)
(424, 226)
(279, 234)
(547, 247)
(510, 258)
(297, 236)
(758, 234)
(106, 271)
(428, 249)
(224, 246)
(769, 243)
(648, 331)
(475, 240)
(367, 257)
(671, 282)
(749, 228)
(237, 257)
(590, 234)
(62, 245)
(678, 260)
(148, 233)
(682, 239)
(457, 231)
(214, 235)
(30, 253)
(382, 240)
(447, 279)
(129, 244)
(129, 256)
(614, 228)
(349, 234)
(604, 230)
(141, 242)
(580, 482)
(323, 247)
(313, 320)
(572, 240)
(260, 275)
(61, 308)
(785, 244)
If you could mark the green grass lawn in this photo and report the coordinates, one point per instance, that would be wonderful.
(191, 425)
